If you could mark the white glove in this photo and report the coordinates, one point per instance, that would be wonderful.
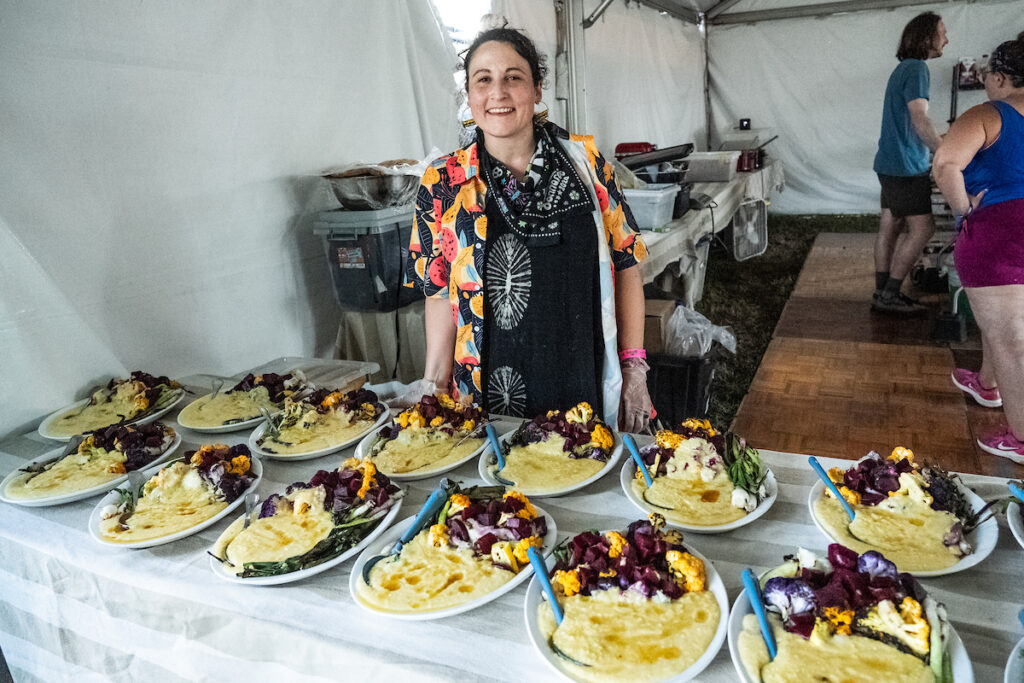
(635, 404)
(411, 393)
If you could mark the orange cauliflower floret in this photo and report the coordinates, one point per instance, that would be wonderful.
(900, 452)
(117, 468)
(446, 401)
(852, 497)
(694, 423)
(369, 477)
(837, 474)
(332, 399)
(580, 413)
(459, 501)
(369, 408)
(141, 402)
(437, 421)
(523, 545)
(568, 582)
(602, 438)
(616, 543)
(668, 439)
(656, 520)
(687, 570)
(528, 511)
(239, 465)
(439, 535)
(839, 619)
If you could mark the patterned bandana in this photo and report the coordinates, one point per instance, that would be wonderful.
(534, 207)
(999, 63)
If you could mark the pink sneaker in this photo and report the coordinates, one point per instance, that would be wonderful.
(969, 383)
(1004, 444)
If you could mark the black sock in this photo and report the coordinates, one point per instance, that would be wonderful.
(893, 285)
(881, 277)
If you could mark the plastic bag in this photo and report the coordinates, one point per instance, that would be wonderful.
(690, 334)
(369, 186)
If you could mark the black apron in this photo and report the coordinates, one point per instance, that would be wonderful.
(543, 345)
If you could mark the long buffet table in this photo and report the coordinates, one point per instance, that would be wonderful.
(71, 609)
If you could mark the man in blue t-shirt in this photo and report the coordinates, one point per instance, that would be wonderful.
(902, 165)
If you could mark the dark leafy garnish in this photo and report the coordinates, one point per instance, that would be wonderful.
(358, 499)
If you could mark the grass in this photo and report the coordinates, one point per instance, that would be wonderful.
(749, 296)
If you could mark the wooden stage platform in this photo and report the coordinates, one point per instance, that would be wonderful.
(840, 380)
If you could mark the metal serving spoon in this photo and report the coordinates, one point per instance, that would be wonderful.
(136, 479)
(250, 505)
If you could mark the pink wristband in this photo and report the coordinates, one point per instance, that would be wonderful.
(625, 354)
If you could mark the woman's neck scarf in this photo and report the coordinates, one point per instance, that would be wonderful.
(534, 207)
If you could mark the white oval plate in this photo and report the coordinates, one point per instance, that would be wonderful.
(983, 539)
(221, 429)
(534, 598)
(259, 431)
(963, 672)
(382, 526)
(364, 446)
(770, 485)
(44, 426)
(387, 541)
(77, 495)
(113, 497)
(488, 463)
(1013, 519)
(1015, 664)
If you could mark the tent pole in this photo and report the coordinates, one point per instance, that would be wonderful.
(702, 26)
(570, 64)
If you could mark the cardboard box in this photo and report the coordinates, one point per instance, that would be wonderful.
(658, 311)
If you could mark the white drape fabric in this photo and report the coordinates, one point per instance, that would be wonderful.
(819, 82)
(645, 78)
(537, 19)
(156, 200)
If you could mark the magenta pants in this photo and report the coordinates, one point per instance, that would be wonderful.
(990, 250)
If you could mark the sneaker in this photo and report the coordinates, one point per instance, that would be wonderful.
(969, 383)
(1003, 444)
(895, 303)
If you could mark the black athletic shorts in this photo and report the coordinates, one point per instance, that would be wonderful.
(906, 195)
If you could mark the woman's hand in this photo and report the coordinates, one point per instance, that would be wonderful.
(635, 406)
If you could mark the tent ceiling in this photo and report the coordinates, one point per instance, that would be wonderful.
(746, 11)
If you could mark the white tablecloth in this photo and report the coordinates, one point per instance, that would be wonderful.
(71, 609)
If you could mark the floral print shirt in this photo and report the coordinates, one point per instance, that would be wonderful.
(449, 239)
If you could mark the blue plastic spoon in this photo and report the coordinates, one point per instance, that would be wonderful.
(757, 603)
(492, 436)
(429, 508)
(816, 466)
(1017, 491)
(541, 572)
(1020, 616)
(628, 440)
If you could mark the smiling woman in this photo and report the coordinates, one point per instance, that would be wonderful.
(518, 236)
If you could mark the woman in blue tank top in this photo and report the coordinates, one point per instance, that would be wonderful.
(980, 169)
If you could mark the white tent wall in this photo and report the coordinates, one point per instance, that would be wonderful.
(156, 199)
(644, 78)
(819, 82)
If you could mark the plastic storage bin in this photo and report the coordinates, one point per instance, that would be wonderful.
(750, 230)
(652, 207)
(711, 166)
(366, 254)
(680, 387)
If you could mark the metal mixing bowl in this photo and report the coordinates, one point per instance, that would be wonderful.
(367, 192)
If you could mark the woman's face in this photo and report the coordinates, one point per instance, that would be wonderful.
(501, 90)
